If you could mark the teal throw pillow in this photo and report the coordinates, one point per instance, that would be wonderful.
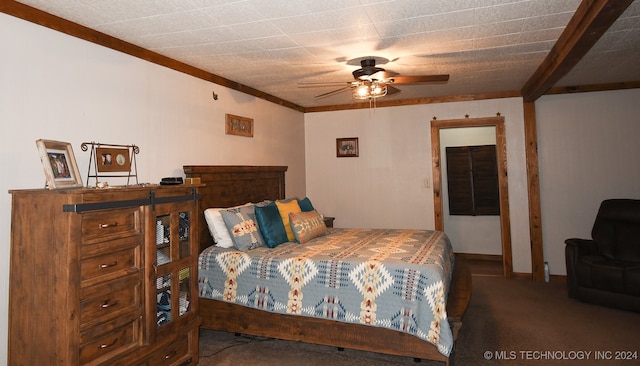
(270, 225)
(305, 204)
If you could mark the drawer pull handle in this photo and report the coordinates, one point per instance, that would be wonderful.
(107, 304)
(106, 226)
(103, 346)
(170, 355)
(104, 265)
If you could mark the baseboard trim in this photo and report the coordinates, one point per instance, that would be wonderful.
(498, 258)
(529, 276)
(480, 257)
(522, 276)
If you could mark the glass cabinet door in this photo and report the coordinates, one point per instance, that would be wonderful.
(163, 239)
(172, 265)
(185, 286)
(184, 234)
(163, 295)
(173, 237)
(165, 304)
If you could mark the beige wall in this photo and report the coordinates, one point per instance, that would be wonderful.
(384, 187)
(589, 150)
(587, 144)
(58, 87)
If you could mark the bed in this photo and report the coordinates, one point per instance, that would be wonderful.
(227, 186)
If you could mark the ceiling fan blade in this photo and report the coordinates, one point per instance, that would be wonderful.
(420, 79)
(324, 84)
(392, 90)
(384, 75)
(334, 92)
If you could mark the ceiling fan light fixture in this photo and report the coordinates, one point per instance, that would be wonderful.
(372, 82)
(369, 90)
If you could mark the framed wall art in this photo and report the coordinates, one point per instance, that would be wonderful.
(240, 126)
(347, 147)
(59, 163)
(113, 159)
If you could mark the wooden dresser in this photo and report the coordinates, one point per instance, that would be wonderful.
(104, 277)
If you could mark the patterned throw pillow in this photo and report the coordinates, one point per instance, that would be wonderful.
(285, 207)
(307, 225)
(241, 224)
(218, 228)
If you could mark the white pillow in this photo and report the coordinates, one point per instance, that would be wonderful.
(217, 227)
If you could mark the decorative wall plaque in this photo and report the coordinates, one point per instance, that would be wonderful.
(240, 126)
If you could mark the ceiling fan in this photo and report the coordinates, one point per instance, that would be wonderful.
(371, 81)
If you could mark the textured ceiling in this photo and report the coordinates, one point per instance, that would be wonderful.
(485, 45)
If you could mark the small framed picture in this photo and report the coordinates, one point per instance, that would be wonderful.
(240, 126)
(347, 147)
(113, 159)
(59, 164)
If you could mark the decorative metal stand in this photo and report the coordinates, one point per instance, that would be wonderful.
(111, 161)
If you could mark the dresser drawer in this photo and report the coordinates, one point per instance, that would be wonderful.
(107, 301)
(111, 343)
(110, 265)
(106, 225)
(171, 353)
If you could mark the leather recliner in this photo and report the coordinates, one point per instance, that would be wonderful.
(606, 269)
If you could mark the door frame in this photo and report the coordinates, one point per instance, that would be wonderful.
(503, 181)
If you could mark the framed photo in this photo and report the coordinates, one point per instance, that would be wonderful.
(347, 147)
(59, 164)
(236, 125)
(113, 159)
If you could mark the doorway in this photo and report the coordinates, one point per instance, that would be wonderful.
(501, 147)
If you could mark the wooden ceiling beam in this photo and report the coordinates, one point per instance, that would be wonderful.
(590, 21)
(51, 21)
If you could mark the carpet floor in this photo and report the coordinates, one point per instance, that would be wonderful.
(508, 322)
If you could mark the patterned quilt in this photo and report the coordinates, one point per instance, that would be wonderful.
(397, 279)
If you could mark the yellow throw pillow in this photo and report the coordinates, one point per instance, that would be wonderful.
(285, 208)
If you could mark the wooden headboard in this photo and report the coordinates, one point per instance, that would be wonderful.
(233, 185)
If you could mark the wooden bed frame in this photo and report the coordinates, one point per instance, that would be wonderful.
(235, 185)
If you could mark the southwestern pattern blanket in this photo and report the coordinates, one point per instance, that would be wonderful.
(397, 279)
